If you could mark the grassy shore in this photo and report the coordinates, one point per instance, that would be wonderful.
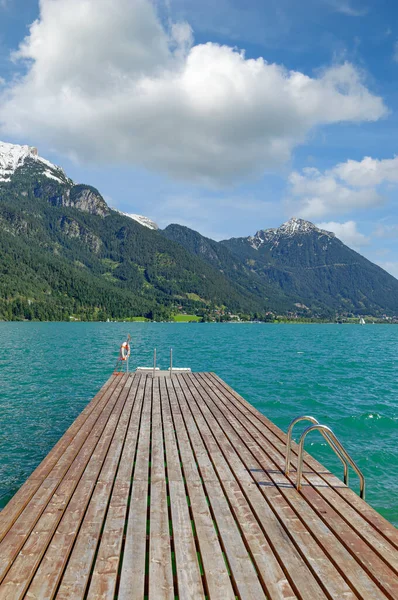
(186, 318)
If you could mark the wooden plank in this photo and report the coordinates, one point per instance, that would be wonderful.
(370, 515)
(133, 573)
(217, 579)
(242, 568)
(75, 578)
(368, 523)
(299, 573)
(23, 568)
(383, 576)
(189, 580)
(269, 471)
(133, 568)
(383, 526)
(104, 579)
(354, 520)
(275, 436)
(336, 552)
(184, 465)
(161, 586)
(21, 529)
(19, 501)
(48, 576)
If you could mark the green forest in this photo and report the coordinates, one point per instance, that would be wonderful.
(65, 255)
(59, 261)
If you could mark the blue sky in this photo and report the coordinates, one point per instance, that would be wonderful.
(228, 117)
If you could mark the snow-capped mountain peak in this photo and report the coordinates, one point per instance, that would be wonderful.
(13, 156)
(145, 221)
(291, 228)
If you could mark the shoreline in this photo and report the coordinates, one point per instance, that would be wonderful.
(74, 322)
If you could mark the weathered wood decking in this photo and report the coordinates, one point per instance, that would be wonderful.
(166, 488)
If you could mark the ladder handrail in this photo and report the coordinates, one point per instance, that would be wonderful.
(325, 435)
(336, 443)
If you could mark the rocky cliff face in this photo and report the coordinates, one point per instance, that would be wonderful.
(84, 198)
(291, 229)
(23, 172)
(74, 230)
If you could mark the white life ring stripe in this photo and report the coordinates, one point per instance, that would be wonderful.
(125, 351)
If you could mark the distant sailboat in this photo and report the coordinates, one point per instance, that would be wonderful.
(362, 321)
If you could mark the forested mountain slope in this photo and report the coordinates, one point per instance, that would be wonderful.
(64, 252)
(317, 269)
(231, 265)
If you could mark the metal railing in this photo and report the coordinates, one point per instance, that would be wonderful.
(155, 370)
(330, 442)
(333, 442)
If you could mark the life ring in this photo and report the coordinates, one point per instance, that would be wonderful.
(124, 351)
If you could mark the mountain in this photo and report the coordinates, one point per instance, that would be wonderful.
(220, 257)
(316, 269)
(13, 157)
(64, 252)
(139, 218)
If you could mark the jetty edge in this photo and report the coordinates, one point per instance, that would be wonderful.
(171, 485)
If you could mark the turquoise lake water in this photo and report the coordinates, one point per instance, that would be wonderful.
(344, 375)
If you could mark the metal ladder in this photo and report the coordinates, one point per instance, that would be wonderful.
(333, 442)
(155, 370)
(171, 362)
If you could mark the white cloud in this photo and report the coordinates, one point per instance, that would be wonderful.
(105, 81)
(346, 232)
(368, 172)
(346, 8)
(314, 195)
(348, 186)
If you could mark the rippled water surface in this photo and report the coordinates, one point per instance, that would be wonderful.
(345, 375)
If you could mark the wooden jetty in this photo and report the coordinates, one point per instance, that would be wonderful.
(174, 487)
